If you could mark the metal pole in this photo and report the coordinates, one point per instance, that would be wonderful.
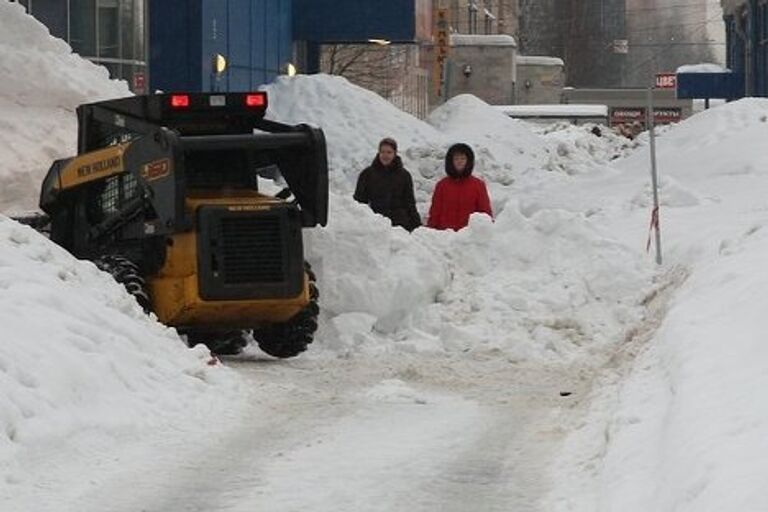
(655, 224)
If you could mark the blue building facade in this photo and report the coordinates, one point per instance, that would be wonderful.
(318, 22)
(254, 38)
(173, 45)
(746, 24)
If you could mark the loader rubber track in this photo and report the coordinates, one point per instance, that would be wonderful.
(126, 272)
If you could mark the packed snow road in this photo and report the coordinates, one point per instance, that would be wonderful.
(399, 433)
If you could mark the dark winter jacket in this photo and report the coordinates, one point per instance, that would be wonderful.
(389, 192)
(458, 196)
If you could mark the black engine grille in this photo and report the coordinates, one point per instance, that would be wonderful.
(250, 254)
(251, 250)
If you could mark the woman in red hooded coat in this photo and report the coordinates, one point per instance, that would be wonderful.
(460, 194)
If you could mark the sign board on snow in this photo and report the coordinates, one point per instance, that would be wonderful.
(666, 80)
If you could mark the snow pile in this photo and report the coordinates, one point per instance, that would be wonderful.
(692, 396)
(577, 149)
(78, 354)
(78, 357)
(43, 82)
(694, 152)
(354, 120)
(537, 285)
(705, 133)
(504, 147)
(490, 287)
(371, 275)
(679, 425)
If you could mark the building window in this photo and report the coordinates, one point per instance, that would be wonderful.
(82, 27)
(472, 11)
(131, 16)
(108, 29)
(109, 32)
(489, 19)
(455, 16)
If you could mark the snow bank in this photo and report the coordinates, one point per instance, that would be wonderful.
(537, 285)
(709, 130)
(576, 149)
(489, 287)
(43, 82)
(681, 428)
(78, 354)
(354, 121)
(699, 411)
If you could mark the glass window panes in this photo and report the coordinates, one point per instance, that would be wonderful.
(109, 29)
(82, 27)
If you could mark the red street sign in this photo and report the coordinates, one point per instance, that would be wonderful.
(622, 115)
(666, 80)
(636, 115)
(663, 115)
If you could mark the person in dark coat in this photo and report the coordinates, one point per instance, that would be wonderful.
(387, 187)
(458, 195)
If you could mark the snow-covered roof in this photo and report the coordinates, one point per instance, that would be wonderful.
(554, 110)
(482, 40)
(537, 60)
(702, 68)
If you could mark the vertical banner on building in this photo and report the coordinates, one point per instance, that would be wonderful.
(442, 45)
(424, 20)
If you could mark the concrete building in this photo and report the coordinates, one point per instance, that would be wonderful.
(482, 51)
(539, 80)
(112, 33)
(483, 65)
(482, 16)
